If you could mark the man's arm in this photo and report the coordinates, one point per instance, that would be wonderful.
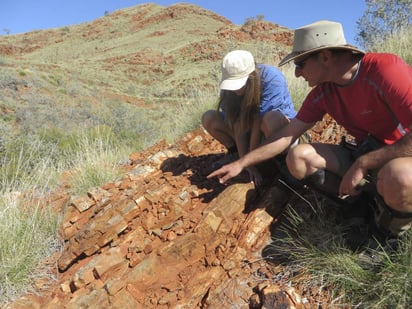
(273, 146)
(374, 160)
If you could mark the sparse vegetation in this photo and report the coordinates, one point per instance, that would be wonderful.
(86, 118)
(251, 20)
(383, 19)
(311, 248)
(28, 229)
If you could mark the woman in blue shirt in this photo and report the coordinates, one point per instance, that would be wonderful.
(254, 103)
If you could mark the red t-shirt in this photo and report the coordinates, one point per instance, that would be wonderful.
(383, 82)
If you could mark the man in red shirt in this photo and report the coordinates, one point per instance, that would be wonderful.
(370, 95)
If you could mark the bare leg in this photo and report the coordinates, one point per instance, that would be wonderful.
(272, 122)
(320, 165)
(212, 121)
(395, 184)
(305, 159)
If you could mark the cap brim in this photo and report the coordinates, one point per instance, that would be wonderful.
(295, 55)
(233, 84)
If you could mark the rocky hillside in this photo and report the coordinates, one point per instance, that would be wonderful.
(162, 236)
(144, 54)
(147, 58)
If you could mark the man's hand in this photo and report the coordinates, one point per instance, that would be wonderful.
(351, 180)
(226, 172)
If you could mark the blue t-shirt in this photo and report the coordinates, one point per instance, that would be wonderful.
(275, 93)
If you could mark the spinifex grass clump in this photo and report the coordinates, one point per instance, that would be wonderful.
(26, 236)
(27, 227)
(311, 244)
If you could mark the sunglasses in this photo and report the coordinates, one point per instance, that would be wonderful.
(301, 64)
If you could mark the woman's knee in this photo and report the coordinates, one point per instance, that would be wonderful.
(208, 118)
(273, 121)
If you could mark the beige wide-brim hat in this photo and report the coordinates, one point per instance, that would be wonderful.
(320, 35)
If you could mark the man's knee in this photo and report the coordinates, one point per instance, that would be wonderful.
(394, 184)
(396, 177)
(296, 160)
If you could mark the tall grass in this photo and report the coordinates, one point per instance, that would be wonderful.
(298, 87)
(399, 44)
(96, 160)
(27, 236)
(27, 228)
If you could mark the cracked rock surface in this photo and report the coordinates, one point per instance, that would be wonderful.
(164, 236)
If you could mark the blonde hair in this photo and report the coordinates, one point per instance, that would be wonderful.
(244, 108)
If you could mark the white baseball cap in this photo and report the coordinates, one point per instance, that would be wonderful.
(236, 67)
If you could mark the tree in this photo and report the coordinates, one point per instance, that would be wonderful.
(383, 18)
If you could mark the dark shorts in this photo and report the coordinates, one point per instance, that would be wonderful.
(388, 220)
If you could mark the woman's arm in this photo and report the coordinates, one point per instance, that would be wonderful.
(255, 133)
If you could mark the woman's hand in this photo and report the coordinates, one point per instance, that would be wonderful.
(254, 175)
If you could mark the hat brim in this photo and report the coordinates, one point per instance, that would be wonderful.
(294, 55)
(233, 84)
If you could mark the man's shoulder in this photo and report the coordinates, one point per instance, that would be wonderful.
(381, 58)
(383, 65)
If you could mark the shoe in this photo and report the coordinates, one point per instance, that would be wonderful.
(364, 237)
(371, 259)
(356, 234)
(357, 219)
(376, 251)
(284, 176)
